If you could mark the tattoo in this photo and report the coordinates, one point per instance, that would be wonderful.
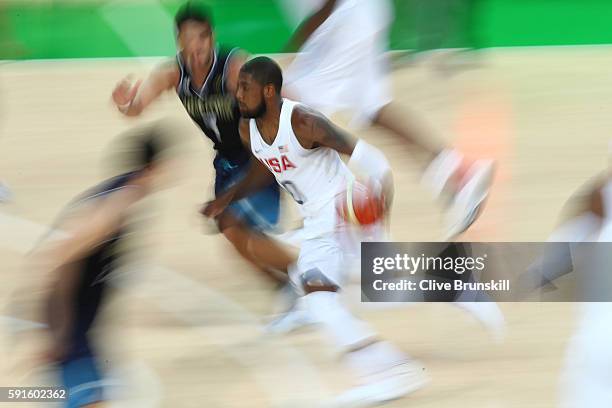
(322, 133)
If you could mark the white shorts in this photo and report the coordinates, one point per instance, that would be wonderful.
(332, 246)
(343, 65)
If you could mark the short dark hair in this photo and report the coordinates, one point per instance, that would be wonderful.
(193, 10)
(148, 146)
(265, 71)
(151, 149)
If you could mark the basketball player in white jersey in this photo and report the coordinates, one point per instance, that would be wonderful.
(586, 379)
(300, 148)
(341, 65)
(341, 55)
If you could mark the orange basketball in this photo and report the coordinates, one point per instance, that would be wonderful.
(361, 204)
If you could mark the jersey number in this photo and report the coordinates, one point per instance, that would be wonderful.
(293, 190)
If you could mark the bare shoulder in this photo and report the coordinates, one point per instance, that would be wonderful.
(304, 117)
(307, 124)
(313, 130)
(245, 132)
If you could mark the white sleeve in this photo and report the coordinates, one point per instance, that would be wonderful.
(369, 160)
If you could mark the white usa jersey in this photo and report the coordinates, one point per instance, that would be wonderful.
(313, 177)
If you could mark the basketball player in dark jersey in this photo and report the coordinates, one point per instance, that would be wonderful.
(205, 79)
(93, 231)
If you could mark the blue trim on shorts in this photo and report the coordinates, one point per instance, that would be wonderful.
(83, 381)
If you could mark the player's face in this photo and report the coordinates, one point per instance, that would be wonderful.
(196, 42)
(250, 97)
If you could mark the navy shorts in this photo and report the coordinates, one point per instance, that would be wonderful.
(260, 210)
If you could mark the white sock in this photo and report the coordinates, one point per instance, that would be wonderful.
(366, 356)
(343, 328)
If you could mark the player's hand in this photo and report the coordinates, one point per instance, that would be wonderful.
(214, 208)
(125, 92)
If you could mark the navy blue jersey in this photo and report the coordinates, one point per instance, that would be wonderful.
(213, 108)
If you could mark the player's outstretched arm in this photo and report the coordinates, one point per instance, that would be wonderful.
(132, 98)
(257, 178)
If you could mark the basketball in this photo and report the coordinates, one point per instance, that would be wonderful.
(361, 203)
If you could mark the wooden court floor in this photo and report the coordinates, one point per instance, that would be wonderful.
(185, 329)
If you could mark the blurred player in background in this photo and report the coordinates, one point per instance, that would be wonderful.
(205, 77)
(301, 149)
(582, 244)
(94, 229)
(341, 65)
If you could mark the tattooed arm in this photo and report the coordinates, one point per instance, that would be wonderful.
(313, 130)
